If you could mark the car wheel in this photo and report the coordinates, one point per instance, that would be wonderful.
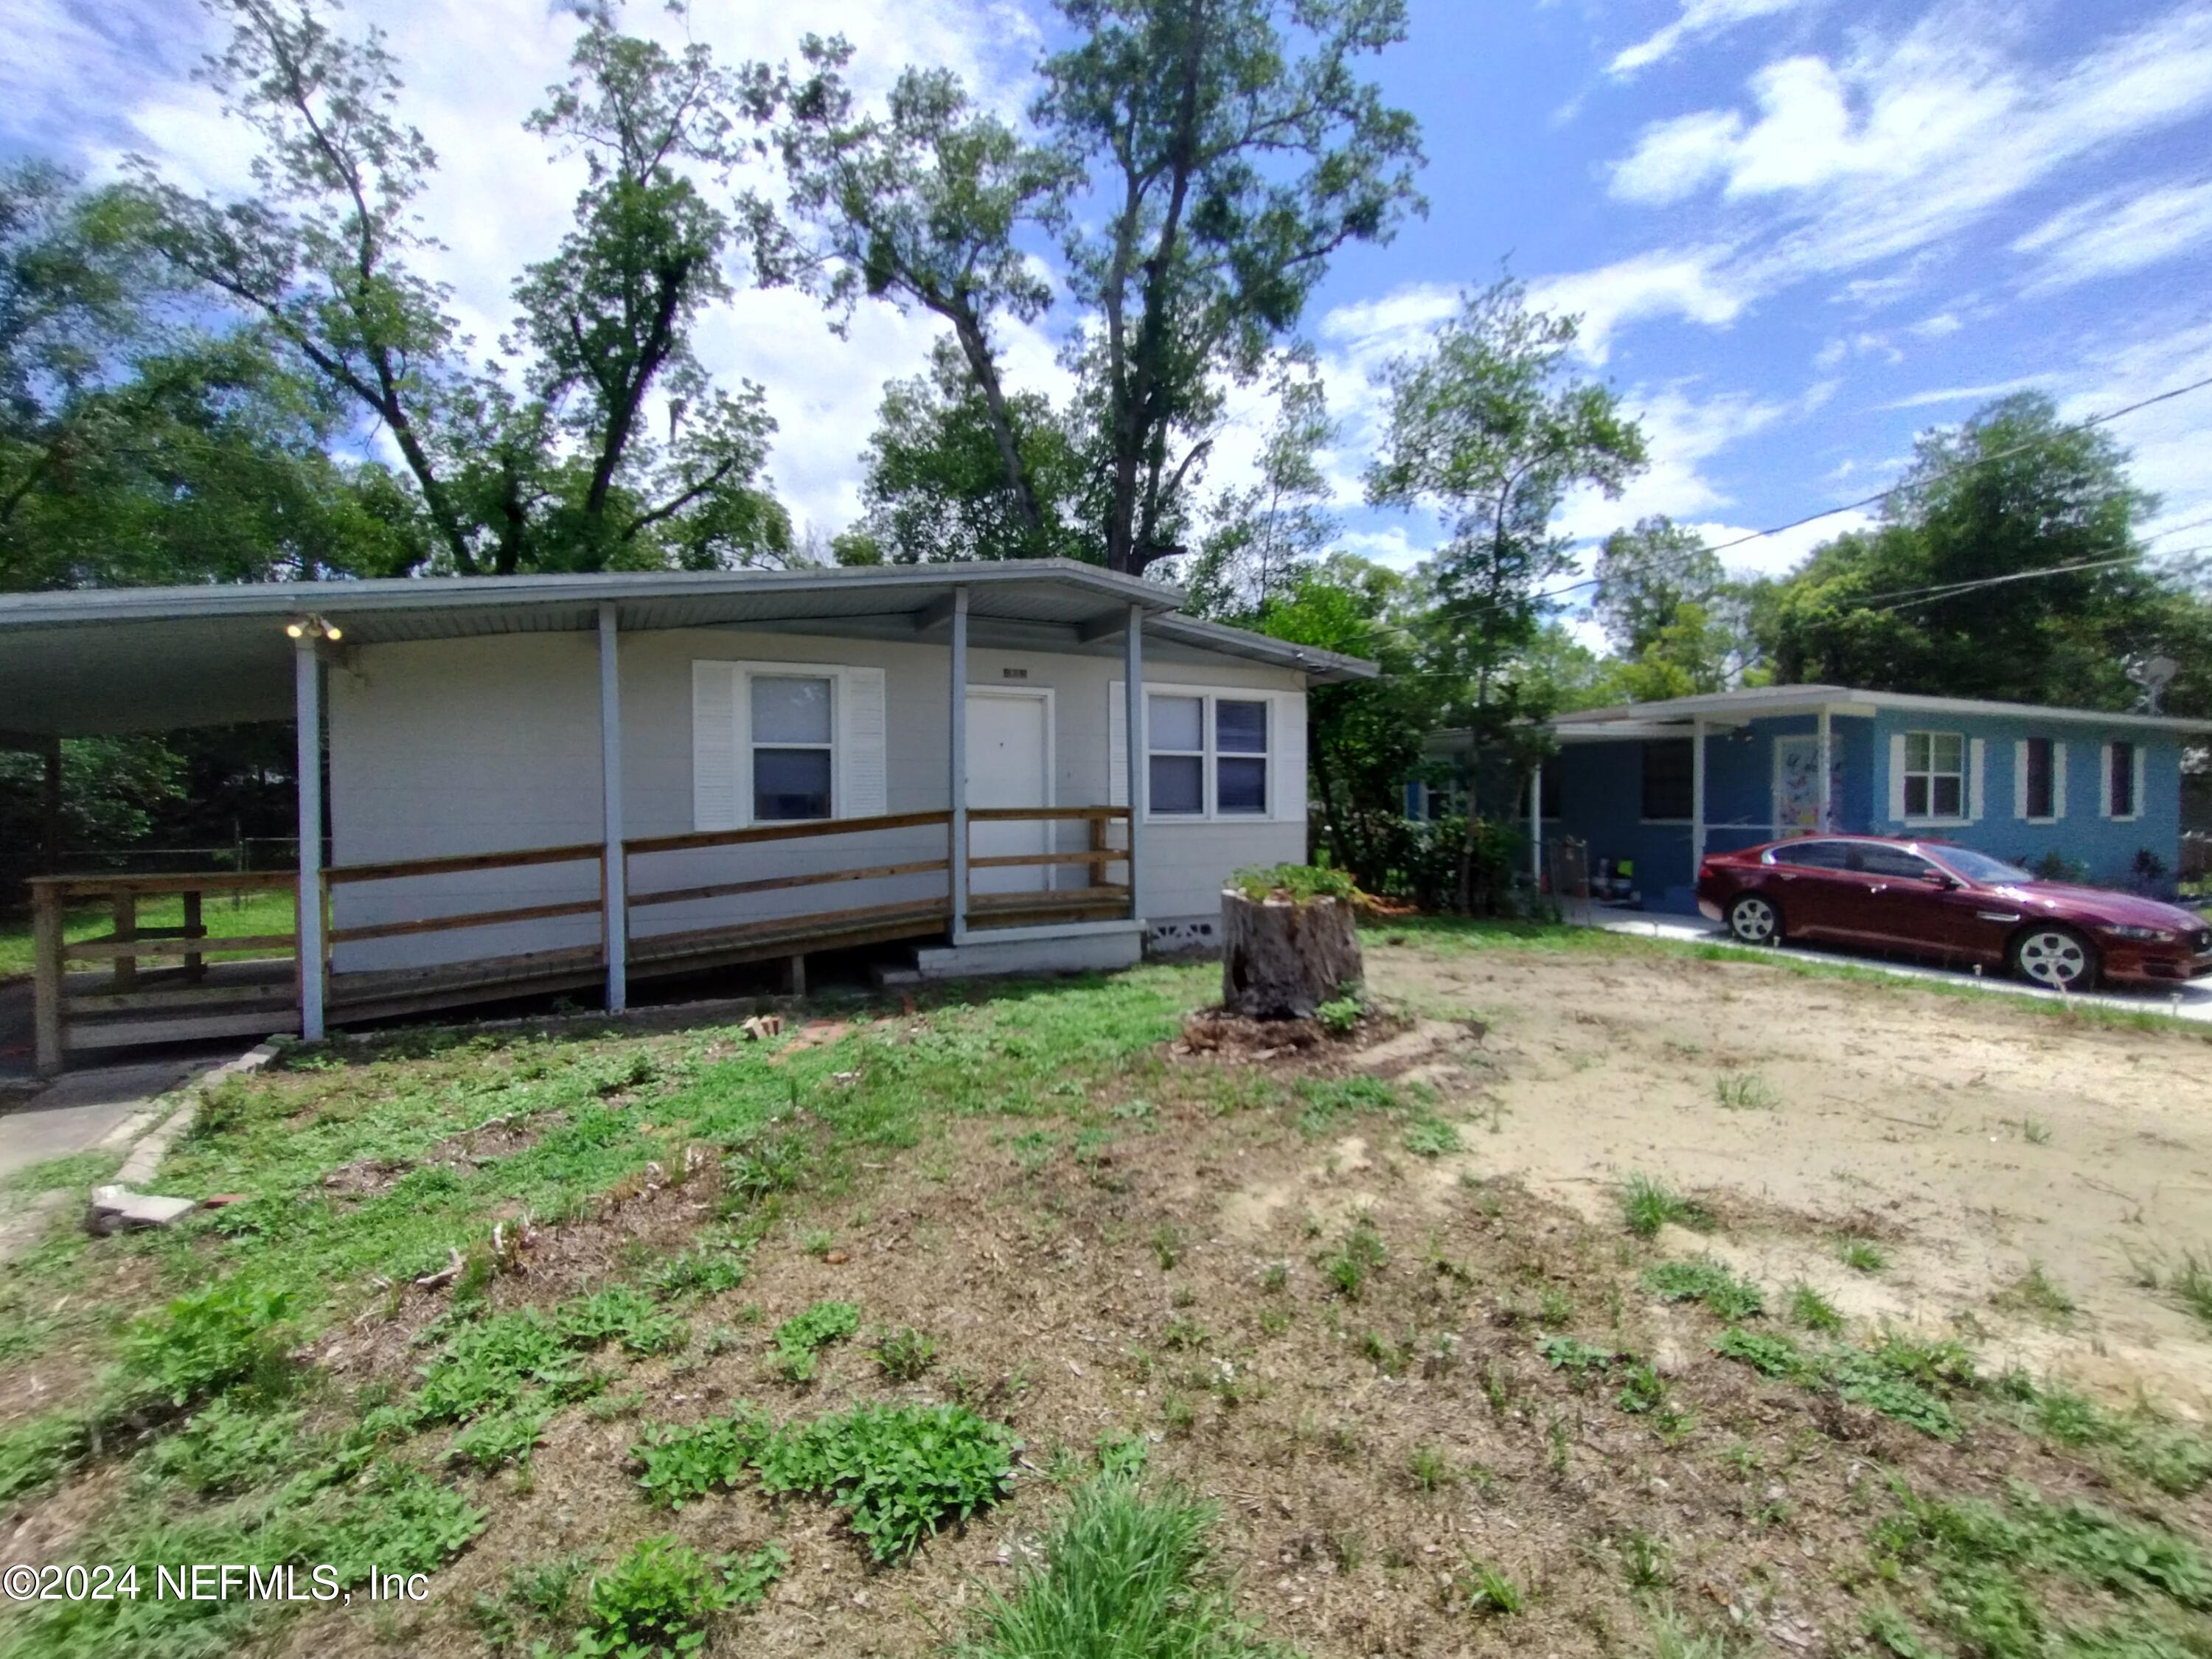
(2058, 957)
(1756, 921)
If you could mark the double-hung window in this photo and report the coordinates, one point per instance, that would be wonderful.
(1206, 756)
(793, 746)
(1935, 775)
(1669, 779)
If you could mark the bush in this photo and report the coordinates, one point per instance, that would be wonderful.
(1302, 882)
(898, 1472)
(805, 1334)
(656, 1600)
(231, 1334)
(680, 1465)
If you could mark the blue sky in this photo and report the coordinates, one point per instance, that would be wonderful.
(1800, 231)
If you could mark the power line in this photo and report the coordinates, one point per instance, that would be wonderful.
(1935, 596)
(1978, 460)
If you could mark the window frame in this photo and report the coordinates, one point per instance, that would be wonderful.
(1930, 773)
(2049, 749)
(1689, 779)
(2120, 759)
(749, 789)
(1209, 755)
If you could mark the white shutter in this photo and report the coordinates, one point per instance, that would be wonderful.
(2057, 780)
(1897, 777)
(1978, 757)
(714, 783)
(1117, 744)
(2019, 777)
(1286, 748)
(2105, 782)
(2135, 810)
(860, 744)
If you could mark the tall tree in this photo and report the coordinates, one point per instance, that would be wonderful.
(1263, 534)
(554, 469)
(1490, 429)
(1678, 624)
(1231, 148)
(135, 448)
(935, 486)
(2007, 566)
(923, 204)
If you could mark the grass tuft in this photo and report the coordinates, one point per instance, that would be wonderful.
(1646, 1205)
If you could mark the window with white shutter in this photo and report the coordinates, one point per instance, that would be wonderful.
(782, 743)
(1213, 755)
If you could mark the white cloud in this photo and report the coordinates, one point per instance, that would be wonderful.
(1941, 326)
(1670, 282)
(1682, 432)
(2115, 232)
(1772, 556)
(1392, 545)
(2166, 441)
(1970, 394)
(1902, 142)
(1698, 18)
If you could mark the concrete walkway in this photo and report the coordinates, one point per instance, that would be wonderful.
(2191, 1002)
(80, 1111)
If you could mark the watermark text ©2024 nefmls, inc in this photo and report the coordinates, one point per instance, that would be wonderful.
(204, 1581)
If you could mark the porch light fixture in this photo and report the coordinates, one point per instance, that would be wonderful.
(301, 628)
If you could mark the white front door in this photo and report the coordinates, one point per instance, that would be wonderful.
(1009, 764)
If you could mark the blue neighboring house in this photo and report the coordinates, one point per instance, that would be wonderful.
(1651, 788)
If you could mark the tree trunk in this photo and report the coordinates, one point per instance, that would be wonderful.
(1282, 960)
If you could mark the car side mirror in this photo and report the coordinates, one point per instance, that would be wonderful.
(1938, 878)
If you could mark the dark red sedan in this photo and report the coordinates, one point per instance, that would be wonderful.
(1931, 898)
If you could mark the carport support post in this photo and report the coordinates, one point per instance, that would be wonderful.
(1697, 799)
(1827, 751)
(957, 844)
(52, 816)
(308, 701)
(1133, 692)
(614, 879)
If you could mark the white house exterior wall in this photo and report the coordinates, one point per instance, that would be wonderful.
(492, 744)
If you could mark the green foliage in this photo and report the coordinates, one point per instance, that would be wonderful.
(1900, 1377)
(657, 1600)
(1708, 1280)
(1861, 1255)
(493, 1441)
(1431, 1136)
(1340, 1016)
(904, 1354)
(227, 1447)
(1646, 1205)
(1329, 1101)
(703, 1270)
(621, 1316)
(38, 1451)
(1745, 1092)
(2013, 489)
(1302, 882)
(1481, 1588)
(1121, 1572)
(1808, 1308)
(1361, 1253)
(678, 1466)
(801, 1338)
(490, 1363)
(1989, 1572)
(899, 1473)
(233, 1333)
(1578, 1360)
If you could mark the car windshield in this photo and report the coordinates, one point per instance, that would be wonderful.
(1980, 866)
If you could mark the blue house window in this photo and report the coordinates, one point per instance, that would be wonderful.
(2042, 779)
(1669, 767)
(1935, 775)
(2123, 764)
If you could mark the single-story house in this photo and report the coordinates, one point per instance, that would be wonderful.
(563, 783)
(1651, 788)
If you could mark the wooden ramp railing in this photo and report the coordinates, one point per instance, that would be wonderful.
(207, 998)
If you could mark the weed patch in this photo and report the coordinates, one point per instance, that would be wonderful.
(1710, 1281)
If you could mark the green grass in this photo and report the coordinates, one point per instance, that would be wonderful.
(224, 914)
(1124, 1572)
(1646, 1205)
(200, 1383)
(75, 1169)
(1707, 1280)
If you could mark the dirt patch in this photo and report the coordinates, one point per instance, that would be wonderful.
(1973, 1138)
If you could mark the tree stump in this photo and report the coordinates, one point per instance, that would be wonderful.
(1281, 959)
